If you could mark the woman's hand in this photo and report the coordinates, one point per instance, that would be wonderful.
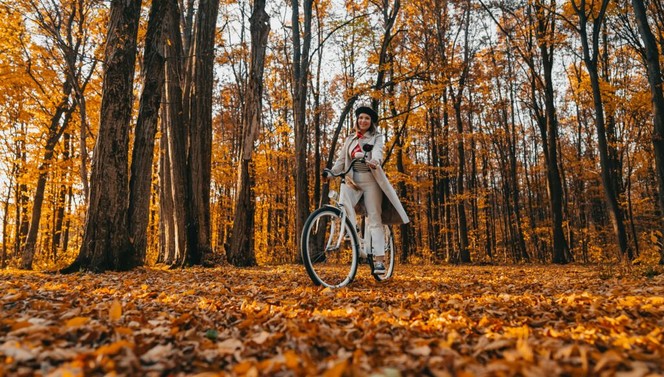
(373, 164)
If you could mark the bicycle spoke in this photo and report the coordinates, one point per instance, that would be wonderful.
(329, 261)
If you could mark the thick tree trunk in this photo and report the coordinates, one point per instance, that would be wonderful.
(241, 251)
(655, 81)
(106, 242)
(200, 132)
(300, 79)
(140, 183)
(176, 126)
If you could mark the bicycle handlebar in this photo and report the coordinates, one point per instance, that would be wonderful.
(366, 148)
(328, 172)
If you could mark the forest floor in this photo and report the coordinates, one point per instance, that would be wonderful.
(428, 320)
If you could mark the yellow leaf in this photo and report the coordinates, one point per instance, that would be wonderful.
(124, 330)
(77, 321)
(337, 370)
(292, 360)
(243, 367)
(115, 313)
(114, 348)
(20, 325)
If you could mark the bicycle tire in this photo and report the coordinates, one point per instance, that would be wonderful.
(330, 267)
(390, 257)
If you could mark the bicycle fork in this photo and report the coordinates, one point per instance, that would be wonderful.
(340, 237)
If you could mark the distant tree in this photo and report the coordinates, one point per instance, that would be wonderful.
(241, 252)
(62, 24)
(590, 16)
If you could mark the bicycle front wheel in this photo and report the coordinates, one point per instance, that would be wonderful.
(329, 248)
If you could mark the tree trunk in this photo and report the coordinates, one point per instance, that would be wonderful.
(55, 132)
(200, 132)
(241, 251)
(106, 243)
(176, 126)
(5, 221)
(140, 183)
(61, 202)
(608, 178)
(462, 223)
(166, 219)
(655, 81)
(300, 79)
(405, 229)
(67, 225)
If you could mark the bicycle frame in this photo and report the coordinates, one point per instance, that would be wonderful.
(340, 238)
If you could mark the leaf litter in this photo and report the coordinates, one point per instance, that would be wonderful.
(428, 320)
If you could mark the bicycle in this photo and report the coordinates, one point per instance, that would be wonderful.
(330, 244)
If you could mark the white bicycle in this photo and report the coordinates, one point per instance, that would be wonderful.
(330, 244)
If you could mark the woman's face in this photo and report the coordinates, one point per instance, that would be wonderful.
(363, 122)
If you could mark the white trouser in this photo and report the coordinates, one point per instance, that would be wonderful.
(374, 234)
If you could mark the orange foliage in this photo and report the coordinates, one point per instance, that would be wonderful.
(460, 321)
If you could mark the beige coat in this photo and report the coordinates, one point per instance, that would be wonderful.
(393, 212)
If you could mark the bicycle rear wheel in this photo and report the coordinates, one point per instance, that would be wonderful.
(389, 257)
(329, 248)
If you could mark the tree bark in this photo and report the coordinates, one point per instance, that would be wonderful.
(655, 81)
(199, 108)
(462, 223)
(608, 178)
(166, 219)
(241, 251)
(106, 243)
(176, 126)
(140, 183)
(301, 47)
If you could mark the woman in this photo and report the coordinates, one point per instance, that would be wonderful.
(368, 191)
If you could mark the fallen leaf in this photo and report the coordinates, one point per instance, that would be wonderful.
(77, 321)
(115, 312)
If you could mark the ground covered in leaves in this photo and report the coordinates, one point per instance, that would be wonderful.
(440, 321)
